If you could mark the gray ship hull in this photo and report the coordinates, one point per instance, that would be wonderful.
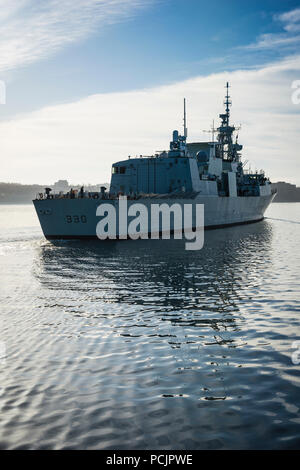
(76, 218)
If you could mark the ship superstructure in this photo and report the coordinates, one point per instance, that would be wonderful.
(219, 165)
(209, 173)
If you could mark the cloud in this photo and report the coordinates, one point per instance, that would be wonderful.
(79, 141)
(291, 20)
(289, 39)
(34, 29)
(270, 41)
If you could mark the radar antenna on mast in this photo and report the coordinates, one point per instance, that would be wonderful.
(227, 103)
(184, 119)
(212, 131)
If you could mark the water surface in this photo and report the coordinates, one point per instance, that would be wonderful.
(143, 345)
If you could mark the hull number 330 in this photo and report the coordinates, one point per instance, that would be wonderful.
(76, 219)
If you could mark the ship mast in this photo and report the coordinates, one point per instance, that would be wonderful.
(227, 103)
(211, 131)
(227, 147)
(184, 119)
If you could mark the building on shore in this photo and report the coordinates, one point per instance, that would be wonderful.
(286, 192)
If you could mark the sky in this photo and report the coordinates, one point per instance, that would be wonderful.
(89, 82)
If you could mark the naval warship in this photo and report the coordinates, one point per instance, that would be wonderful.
(208, 173)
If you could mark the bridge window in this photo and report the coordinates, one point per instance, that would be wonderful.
(122, 170)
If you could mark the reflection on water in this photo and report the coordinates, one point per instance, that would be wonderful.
(145, 345)
(139, 273)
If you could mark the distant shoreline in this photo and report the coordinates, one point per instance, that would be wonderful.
(17, 203)
(16, 193)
